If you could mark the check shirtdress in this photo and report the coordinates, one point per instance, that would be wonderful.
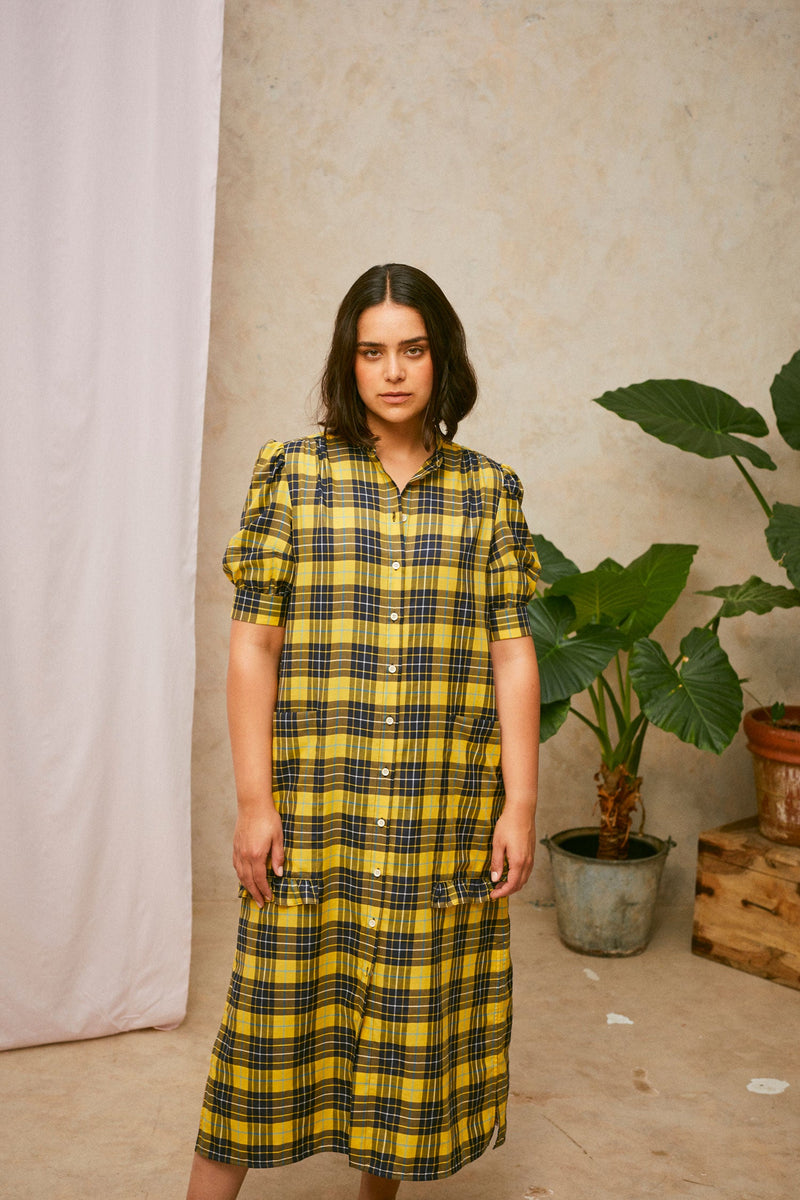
(369, 1009)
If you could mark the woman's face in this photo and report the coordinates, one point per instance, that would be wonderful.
(393, 368)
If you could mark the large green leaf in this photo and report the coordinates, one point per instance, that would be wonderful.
(662, 570)
(754, 595)
(692, 416)
(568, 663)
(605, 595)
(610, 564)
(552, 717)
(700, 701)
(785, 392)
(783, 539)
(554, 564)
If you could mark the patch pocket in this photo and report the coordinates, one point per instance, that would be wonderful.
(472, 794)
(294, 749)
(460, 889)
(474, 753)
(297, 799)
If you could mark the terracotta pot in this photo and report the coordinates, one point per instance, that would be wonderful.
(776, 766)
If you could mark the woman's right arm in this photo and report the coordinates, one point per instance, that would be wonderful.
(255, 652)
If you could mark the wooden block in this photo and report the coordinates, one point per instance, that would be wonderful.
(747, 902)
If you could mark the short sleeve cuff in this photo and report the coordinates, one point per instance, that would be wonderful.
(506, 623)
(259, 607)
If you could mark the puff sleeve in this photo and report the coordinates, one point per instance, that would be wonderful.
(513, 565)
(259, 559)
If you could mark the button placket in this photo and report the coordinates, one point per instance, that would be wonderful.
(393, 576)
(392, 579)
(395, 594)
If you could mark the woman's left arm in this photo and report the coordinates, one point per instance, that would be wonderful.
(516, 684)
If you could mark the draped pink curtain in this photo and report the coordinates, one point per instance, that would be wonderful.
(110, 115)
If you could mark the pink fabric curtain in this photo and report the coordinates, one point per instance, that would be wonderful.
(111, 116)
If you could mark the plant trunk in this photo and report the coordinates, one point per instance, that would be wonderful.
(618, 795)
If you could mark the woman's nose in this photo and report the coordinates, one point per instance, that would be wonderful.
(394, 367)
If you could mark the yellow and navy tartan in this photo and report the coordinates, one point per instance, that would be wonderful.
(369, 1010)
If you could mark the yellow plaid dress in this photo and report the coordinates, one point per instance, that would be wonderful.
(369, 1010)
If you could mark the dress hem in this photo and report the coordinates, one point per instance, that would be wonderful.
(494, 1141)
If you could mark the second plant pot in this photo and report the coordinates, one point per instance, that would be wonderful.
(605, 907)
(775, 748)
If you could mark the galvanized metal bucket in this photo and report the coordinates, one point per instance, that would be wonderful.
(605, 907)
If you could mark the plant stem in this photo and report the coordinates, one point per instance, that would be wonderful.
(625, 699)
(605, 745)
(754, 487)
(637, 754)
(628, 686)
(599, 705)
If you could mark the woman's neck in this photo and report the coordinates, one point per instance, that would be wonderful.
(401, 452)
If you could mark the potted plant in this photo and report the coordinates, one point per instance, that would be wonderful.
(593, 634)
(773, 739)
(705, 421)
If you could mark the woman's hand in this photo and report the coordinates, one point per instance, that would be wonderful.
(258, 838)
(513, 843)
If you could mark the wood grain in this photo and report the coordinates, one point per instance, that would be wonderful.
(747, 903)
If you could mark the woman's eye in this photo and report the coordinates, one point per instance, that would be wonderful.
(371, 353)
(415, 351)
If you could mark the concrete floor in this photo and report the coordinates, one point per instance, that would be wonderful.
(659, 1107)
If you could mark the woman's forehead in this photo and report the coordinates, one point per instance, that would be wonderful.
(388, 324)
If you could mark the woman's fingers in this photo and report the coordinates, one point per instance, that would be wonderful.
(516, 879)
(258, 837)
(277, 853)
(512, 844)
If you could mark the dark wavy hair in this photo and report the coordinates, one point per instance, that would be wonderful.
(455, 387)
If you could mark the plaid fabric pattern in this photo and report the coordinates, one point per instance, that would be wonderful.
(369, 1010)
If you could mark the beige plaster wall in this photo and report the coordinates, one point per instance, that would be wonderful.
(606, 192)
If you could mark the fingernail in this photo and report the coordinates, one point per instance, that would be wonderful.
(495, 876)
(279, 871)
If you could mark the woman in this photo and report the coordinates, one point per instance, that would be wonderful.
(383, 711)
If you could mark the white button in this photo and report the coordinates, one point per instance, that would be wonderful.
(395, 566)
(385, 771)
(376, 872)
(404, 517)
(390, 720)
(394, 617)
(381, 822)
(392, 669)
(372, 922)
